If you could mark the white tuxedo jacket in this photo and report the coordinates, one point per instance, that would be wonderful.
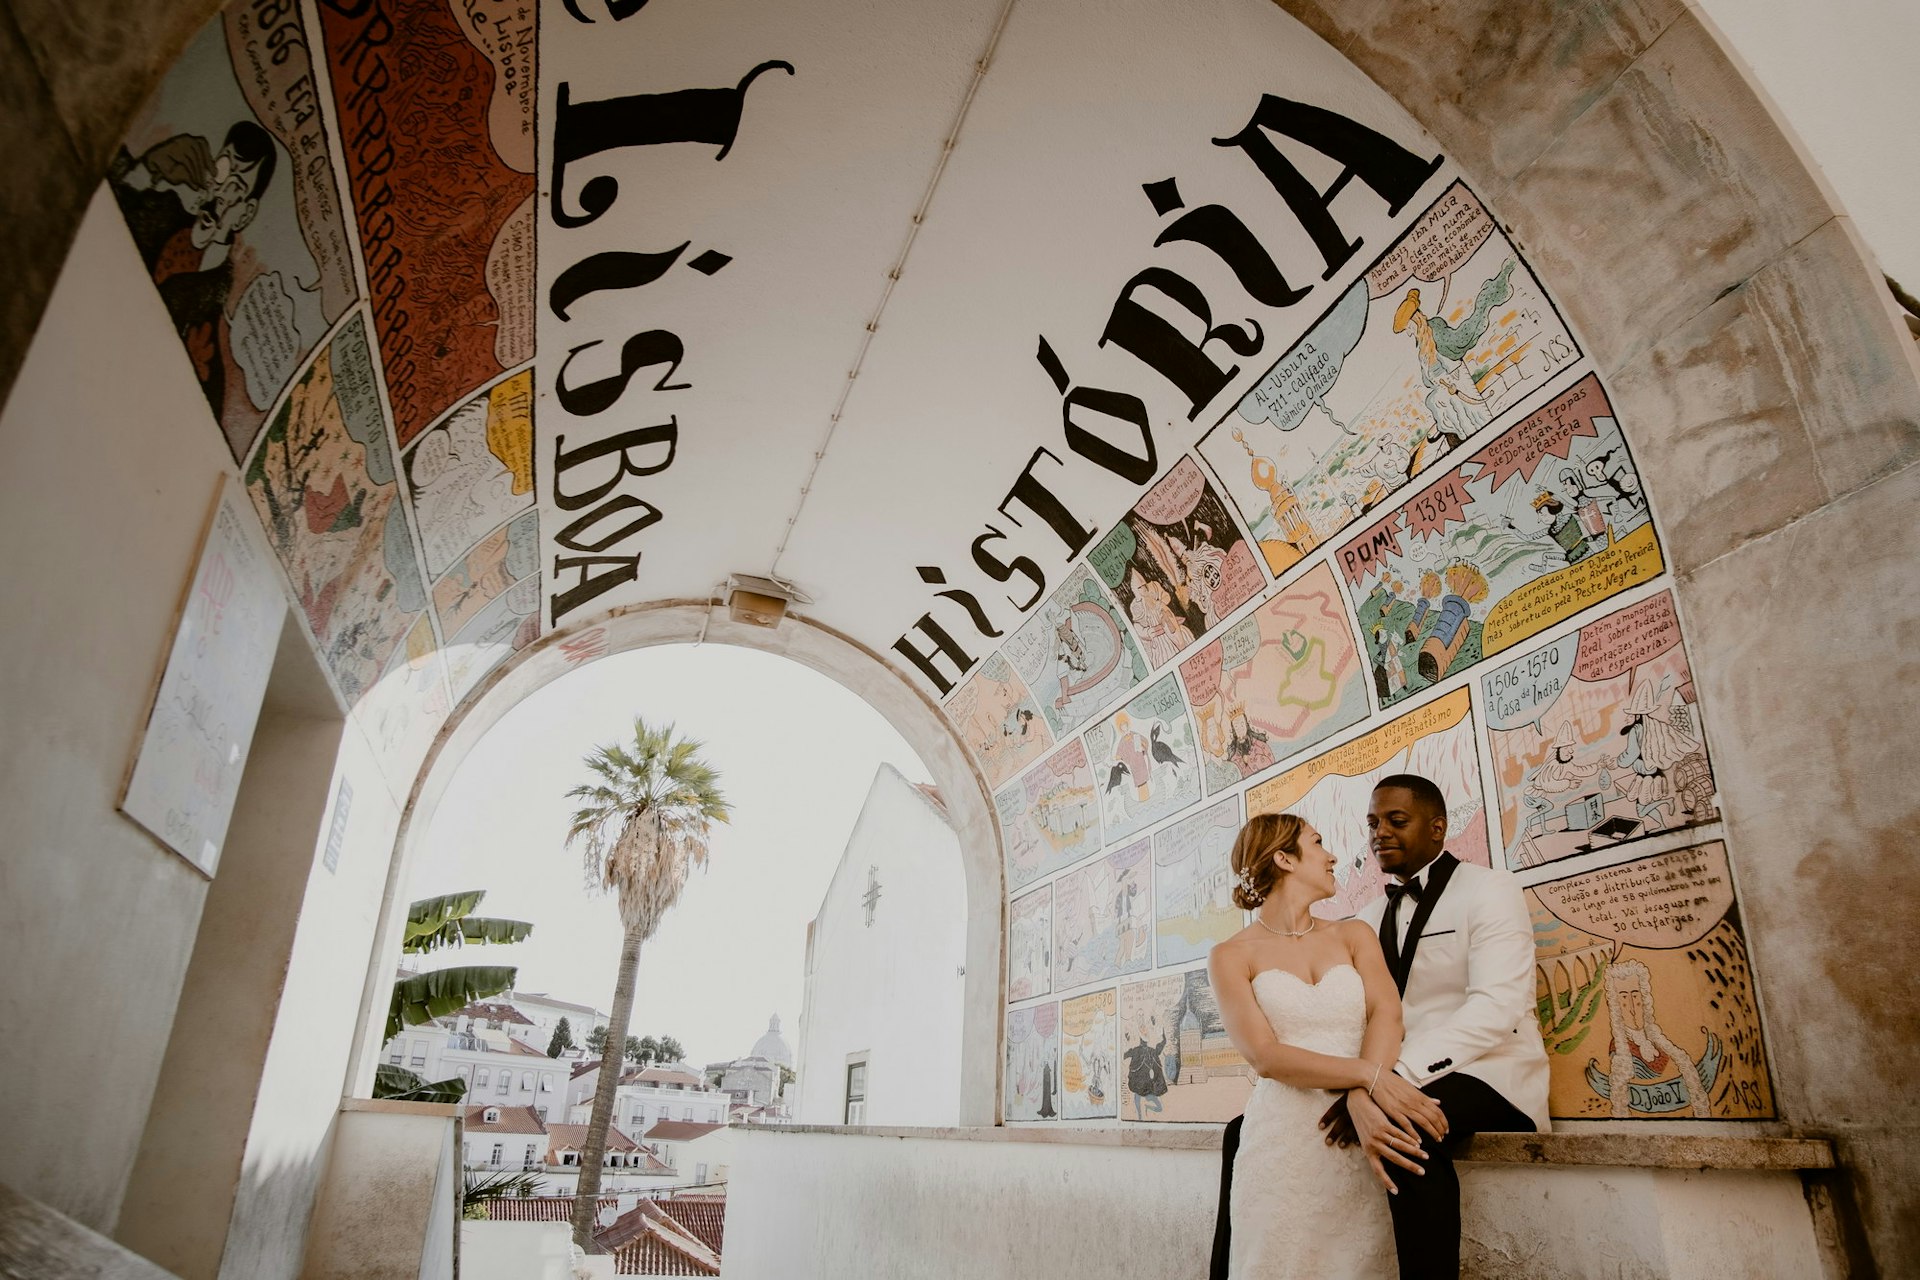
(1469, 1002)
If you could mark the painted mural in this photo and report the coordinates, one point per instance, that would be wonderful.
(1446, 331)
(1076, 653)
(1178, 1063)
(1089, 1089)
(1145, 764)
(1646, 993)
(405, 710)
(1193, 884)
(323, 482)
(435, 100)
(1276, 682)
(473, 471)
(1177, 564)
(999, 720)
(1596, 738)
(1544, 521)
(1049, 818)
(489, 602)
(226, 183)
(1103, 919)
(1332, 790)
(1030, 945)
(1032, 1084)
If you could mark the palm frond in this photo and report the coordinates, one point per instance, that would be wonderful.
(426, 996)
(402, 1085)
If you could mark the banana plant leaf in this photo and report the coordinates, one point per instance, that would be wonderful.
(404, 1086)
(426, 996)
(445, 921)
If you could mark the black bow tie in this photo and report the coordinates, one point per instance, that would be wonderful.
(1395, 892)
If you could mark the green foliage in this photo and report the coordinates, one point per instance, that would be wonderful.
(402, 1085)
(641, 1052)
(597, 1042)
(499, 1185)
(670, 1050)
(786, 1075)
(562, 1039)
(447, 921)
(426, 996)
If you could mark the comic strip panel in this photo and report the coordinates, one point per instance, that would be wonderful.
(1546, 520)
(1193, 884)
(999, 720)
(1645, 993)
(1596, 738)
(1144, 760)
(1276, 682)
(1030, 945)
(323, 482)
(1049, 817)
(473, 471)
(1032, 1087)
(1076, 654)
(1178, 1062)
(1089, 1090)
(1103, 919)
(405, 710)
(446, 203)
(1447, 331)
(1331, 791)
(227, 187)
(1177, 564)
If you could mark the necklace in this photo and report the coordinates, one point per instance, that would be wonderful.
(1312, 923)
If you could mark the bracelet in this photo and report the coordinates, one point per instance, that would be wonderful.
(1376, 1078)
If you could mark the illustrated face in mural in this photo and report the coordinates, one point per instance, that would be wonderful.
(1406, 831)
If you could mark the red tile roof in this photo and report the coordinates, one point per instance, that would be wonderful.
(538, 1208)
(678, 1130)
(488, 1012)
(653, 1255)
(512, 1120)
(705, 1218)
(663, 1075)
(574, 1137)
(528, 1051)
(647, 1241)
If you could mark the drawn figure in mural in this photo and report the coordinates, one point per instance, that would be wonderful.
(1068, 650)
(1454, 403)
(1155, 623)
(1469, 1046)
(1549, 786)
(184, 203)
(1146, 1069)
(1047, 1111)
(1611, 482)
(1641, 1051)
(1295, 530)
(1247, 747)
(1567, 539)
(1198, 571)
(1658, 752)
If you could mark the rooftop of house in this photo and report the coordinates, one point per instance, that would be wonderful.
(541, 997)
(511, 1120)
(705, 1218)
(679, 1076)
(573, 1137)
(492, 1011)
(647, 1240)
(679, 1130)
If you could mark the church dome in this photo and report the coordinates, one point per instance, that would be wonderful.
(773, 1046)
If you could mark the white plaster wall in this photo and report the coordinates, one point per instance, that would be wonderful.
(1841, 74)
(891, 990)
(817, 1204)
(522, 1251)
(112, 461)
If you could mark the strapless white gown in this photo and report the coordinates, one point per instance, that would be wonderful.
(1301, 1208)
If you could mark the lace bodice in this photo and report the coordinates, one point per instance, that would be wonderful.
(1328, 1016)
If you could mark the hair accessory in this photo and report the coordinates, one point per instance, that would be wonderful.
(1244, 878)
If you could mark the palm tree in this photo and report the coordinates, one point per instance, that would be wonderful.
(643, 823)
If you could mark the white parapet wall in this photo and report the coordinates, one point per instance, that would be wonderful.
(980, 1204)
(525, 1251)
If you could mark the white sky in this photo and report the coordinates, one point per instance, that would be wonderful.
(796, 754)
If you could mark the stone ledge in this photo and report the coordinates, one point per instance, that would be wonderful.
(1618, 1150)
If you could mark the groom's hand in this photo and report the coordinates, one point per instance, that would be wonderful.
(1383, 1141)
(1338, 1124)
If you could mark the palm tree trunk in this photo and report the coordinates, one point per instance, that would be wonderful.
(586, 1200)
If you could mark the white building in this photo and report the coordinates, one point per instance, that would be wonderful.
(545, 1011)
(699, 1155)
(756, 1081)
(880, 1031)
(499, 1069)
(645, 1097)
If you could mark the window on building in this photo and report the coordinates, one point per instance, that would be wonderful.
(546, 1084)
(542, 1113)
(526, 1082)
(570, 1158)
(856, 1111)
(490, 1116)
(526, 1161)
(497, 1150)
(506, 1082)
(713, 1115)
(464, 1072)
(393, 1058)
(480, 1078)
(686, 1113)
(419, 1053)
(700, 1173)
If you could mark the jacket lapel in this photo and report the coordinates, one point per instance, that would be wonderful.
(1401, 964)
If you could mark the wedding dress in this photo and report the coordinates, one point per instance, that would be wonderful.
(1300, 1207)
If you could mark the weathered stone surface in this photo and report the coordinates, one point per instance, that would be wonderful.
(1807, 649)
(1498, 82)
(1675, 186)
(102, 60)
(1335, 21)
(41, 201)
(39, 1243)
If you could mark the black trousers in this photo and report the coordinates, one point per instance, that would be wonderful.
(1426, 1213)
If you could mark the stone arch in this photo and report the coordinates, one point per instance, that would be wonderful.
(812, 645)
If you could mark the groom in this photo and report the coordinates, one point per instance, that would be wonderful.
(1459, 943)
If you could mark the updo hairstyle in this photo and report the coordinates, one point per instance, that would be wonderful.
(1256, 855)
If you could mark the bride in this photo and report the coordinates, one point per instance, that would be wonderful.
(1311, 1005)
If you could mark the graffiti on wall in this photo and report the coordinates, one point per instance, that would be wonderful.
(1445, 332)
(1179, 1064)
(323, 482)
(1331, 791)
(226, 184)
(1089, 1089)
(1032, 1084)
(1103, 919)
(1276, 682)
(1030, 945)
(1596, 738)
(1645, 994)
